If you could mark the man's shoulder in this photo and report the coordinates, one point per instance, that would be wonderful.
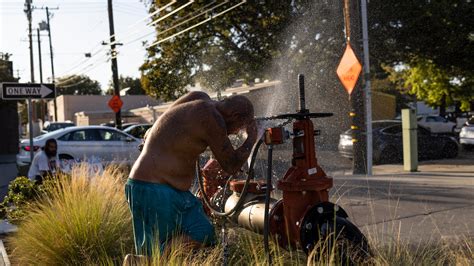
(41, 154)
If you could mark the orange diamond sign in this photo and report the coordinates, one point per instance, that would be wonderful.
(349, 69)
(115, 103)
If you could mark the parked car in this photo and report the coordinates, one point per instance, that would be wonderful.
(437, 124)
(469, 122)
(388, 143)
(52, 126)
(466, 136)
(138, 131)
(79, 143)
(124, 125)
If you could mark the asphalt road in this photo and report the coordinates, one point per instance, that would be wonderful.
(437, 202)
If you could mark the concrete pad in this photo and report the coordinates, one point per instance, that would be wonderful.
(435, 203)
(4, 256)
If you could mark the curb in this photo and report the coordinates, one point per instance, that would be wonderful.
(4, 258)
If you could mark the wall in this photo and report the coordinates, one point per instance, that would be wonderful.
(383, 106)
(273, 98)
(68, 105)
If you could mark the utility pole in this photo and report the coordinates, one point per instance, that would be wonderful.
(358, 98)
(32, 74)
(368, 92)
(40, 71)
(39, 56)
(113, 53)
(52, 63)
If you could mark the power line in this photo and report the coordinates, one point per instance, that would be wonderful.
(148, 16)
(170, 13)
(181, 21)
(197, 24)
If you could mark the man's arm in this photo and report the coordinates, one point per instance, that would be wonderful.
(191, 96)
(230, 160)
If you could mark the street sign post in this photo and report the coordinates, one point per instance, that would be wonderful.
(28, 91)
(22, 91)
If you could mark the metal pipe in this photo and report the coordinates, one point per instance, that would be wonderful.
(30, 123)
(266, 227)
(244, 190)
(302, 97)
(368, 93)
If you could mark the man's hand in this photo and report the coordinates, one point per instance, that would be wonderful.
(252, 129)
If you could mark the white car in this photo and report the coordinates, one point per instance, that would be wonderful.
(84, 143)
(437, 124)
(466, 136)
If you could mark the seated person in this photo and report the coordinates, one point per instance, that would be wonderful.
(45, 162)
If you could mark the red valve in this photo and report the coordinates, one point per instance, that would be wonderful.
(274, 135)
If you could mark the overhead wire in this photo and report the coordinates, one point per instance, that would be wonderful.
(180, 22)
(197, 24)
(140, 20)
(170, 13)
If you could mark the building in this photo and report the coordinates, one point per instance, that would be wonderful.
(9, 135)
(271, 98)
(95, 107)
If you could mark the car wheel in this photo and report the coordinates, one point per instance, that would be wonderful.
(450, 150)
(390, 155)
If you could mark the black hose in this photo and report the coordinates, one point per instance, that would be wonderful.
(266, 225)
(244, 189)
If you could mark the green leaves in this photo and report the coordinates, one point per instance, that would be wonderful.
(236, 45)
(78, 85)
(433, 84)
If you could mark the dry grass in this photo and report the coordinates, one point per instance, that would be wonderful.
(86, 221)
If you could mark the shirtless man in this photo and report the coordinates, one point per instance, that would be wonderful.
(158, 186)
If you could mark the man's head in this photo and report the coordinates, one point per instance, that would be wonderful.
(51, 147)
(237, 112)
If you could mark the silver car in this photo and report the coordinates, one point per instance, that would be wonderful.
(466, 136)
(102, 143)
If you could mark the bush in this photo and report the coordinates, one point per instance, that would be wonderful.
(84, 220)
(22, 193)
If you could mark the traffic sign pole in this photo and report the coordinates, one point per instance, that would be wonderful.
(30, 119)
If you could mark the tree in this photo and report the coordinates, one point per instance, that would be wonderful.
(435, 85)
(128, 82)
(276, 40)
(432, 38)
(78, 85)
(240, 44)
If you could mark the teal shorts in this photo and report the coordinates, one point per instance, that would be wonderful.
(160, 212)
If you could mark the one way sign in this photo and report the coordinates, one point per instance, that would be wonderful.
(20, 91)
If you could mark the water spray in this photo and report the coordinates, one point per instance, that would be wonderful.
(303, 216)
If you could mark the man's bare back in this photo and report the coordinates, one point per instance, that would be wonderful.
(193, 123)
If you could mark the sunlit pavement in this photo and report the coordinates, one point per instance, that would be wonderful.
(437, 202)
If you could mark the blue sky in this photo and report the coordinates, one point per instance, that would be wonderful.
(77, 27)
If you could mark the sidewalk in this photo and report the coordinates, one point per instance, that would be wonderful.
(437, 202)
